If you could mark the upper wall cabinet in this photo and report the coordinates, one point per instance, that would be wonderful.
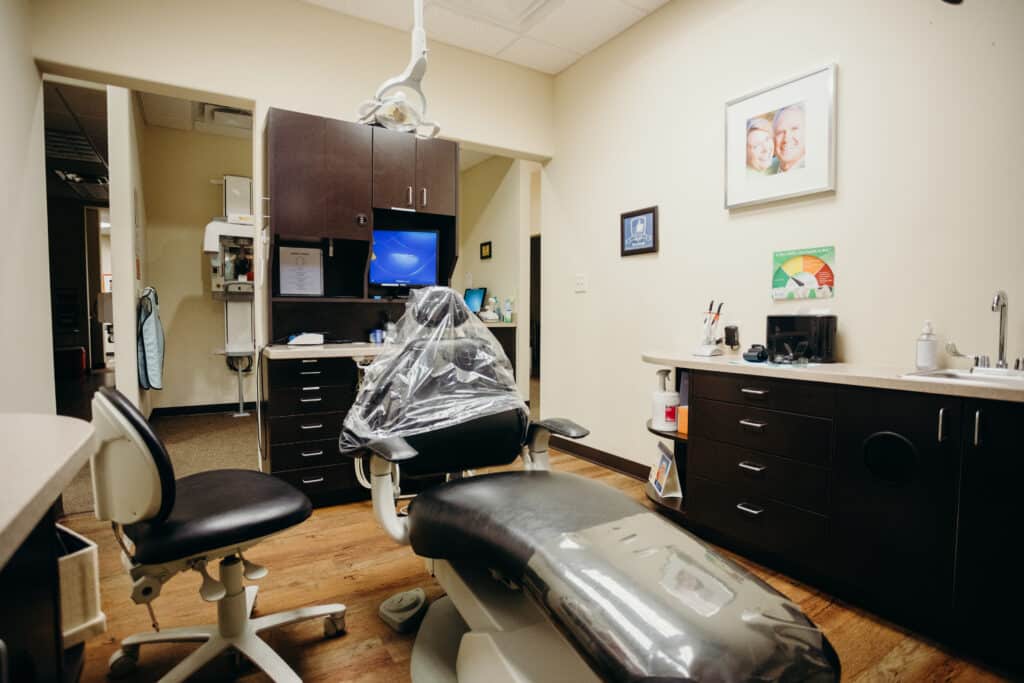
(319, 176)
(412, 174)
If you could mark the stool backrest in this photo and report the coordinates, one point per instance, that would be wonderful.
(132, 475)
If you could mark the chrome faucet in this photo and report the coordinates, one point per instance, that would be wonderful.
(999, 304)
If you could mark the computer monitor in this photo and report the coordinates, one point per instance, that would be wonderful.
(404, 258)
(475, 298)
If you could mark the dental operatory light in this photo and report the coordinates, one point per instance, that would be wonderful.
(400, 103)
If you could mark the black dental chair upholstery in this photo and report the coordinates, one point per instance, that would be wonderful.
(638, 598)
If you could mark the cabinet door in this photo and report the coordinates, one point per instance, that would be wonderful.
(436, 175)
(348, 184)
(295, 169)
(895, 479)
(989, 601)
(394, 169)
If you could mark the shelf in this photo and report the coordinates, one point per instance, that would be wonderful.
(672, 506)
(333, 300)
(675, 436)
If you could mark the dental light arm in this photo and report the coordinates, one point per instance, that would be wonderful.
(391, 107)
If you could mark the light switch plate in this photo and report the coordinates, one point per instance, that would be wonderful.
(581, 283)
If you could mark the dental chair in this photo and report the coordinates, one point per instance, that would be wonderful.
(181, 525)
(548, 576)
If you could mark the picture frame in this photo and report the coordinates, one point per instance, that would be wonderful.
(638, 232)
(780, 141)
(485, 251)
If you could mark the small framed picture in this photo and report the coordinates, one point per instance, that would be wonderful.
(485, 250)
(780, 141)
(638, 231)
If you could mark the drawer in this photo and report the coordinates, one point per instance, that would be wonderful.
(317, 427)
(768, 525)
(759, 474)
(799, 437)
(297, 456)
(311, 372)
(312, 398)
(808, 398)
(317, 481)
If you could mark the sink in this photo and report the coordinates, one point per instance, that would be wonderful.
(993, 377)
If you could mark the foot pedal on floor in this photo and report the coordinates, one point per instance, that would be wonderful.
(404, 611)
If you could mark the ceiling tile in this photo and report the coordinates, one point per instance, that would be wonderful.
(395, 13)
(538, 55)
(646, 5)
(448, 27)
(582, 25)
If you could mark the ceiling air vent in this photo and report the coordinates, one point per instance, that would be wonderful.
(211, 118)
(62, 144)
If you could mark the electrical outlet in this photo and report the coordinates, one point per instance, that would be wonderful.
(581, 283)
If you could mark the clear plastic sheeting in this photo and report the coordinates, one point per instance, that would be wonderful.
(442, 367)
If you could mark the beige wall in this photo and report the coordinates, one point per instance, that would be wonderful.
(127, 236)
(926, 219)
(494, 206)
(180, 200)
(26, 345)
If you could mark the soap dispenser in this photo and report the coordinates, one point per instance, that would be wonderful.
(665, 406)
(927, 348)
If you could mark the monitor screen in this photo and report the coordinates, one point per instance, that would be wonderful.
(404, 258)
(475, 298)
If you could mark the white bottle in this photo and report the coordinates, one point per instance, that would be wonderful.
(927, 348)
(665, 406)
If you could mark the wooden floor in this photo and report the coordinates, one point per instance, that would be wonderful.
(340, 555)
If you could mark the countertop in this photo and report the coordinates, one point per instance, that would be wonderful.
(43, 453)
(352, 350)
(496, 324)
(839, 373)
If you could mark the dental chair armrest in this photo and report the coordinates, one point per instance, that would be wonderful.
(560, 426)
(392, 449)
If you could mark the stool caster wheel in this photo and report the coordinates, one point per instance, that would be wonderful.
(334, 625)
(124, 662)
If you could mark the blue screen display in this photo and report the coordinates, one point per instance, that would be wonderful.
(475, 298)
(404, 258)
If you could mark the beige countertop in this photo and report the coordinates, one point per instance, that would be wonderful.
(42, 454)
(841, 373)
(498, 324)
(357, 350)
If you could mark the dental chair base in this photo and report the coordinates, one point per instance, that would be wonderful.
(235, 628)
(489, 630)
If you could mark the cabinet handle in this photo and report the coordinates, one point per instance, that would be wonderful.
(315, 480)
(311, 454)
(309, 427)
(314, 399)
(752, 466)
(942, 432)
(311, 372)
(754, 392)
(306, 361)
(749, 509)
(756, 426)
(977, 427)
(409, 203)
(424, 196)
(311, 388)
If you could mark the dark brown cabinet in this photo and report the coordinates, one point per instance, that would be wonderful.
(319, 174)
(895, 480)
(413, 174)
(988, 600)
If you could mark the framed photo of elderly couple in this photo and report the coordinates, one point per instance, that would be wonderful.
(780, 142)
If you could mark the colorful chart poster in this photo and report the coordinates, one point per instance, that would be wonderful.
(804, 274)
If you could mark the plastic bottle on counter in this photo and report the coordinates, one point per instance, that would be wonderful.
(927, 348)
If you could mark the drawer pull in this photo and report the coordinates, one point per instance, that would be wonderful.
(311, 388)
(311, 372)
(315, 480)
(754, 392)
(310, 360)
(309, 427)
(311, 454)
(749, 509)
(314, 399)
(755, 426)
(752, 466)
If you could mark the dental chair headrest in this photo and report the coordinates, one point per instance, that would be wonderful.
(437, 306)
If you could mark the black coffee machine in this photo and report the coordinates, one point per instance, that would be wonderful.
(793, 337)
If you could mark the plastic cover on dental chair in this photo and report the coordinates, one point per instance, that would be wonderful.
(443, 367)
